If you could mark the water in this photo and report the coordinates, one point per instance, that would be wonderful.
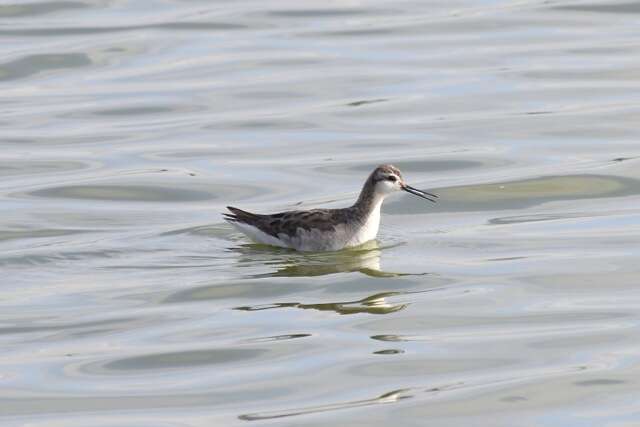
(128, 126)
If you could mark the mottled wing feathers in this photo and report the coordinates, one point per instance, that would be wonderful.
(289, 222)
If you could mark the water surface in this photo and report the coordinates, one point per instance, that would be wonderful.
(127, 127)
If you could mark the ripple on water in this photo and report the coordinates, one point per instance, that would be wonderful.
(184, 359)
(147, 192)
(64, 140)
(64, 331)
(251, 354)
(386, 398)
(146, 110)
(38, 233)
(234, 290)
(35, 64)
(41, 8)
(622, 8)
(374, 304)
(129, 193)
(60, 258)
(423, 367)
(319, 13)
(277, 338)
(87, 30)
(520, 194)
(33, 167)
(413, 166)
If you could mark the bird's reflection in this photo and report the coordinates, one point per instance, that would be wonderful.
(364, 259)
(374, 304)
(386, 398)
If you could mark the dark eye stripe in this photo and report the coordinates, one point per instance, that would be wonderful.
(391, 178)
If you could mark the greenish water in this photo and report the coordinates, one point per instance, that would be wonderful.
(126, 127)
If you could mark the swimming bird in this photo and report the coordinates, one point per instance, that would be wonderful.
(327, 229)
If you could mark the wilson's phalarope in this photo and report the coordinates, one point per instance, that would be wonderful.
(327, 229)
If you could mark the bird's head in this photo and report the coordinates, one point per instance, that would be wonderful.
(388, 179)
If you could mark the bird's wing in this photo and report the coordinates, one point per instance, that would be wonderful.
(289, 222)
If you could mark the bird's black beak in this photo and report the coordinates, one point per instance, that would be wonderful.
(430, 197)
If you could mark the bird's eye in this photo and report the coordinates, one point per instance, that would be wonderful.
(391, 178)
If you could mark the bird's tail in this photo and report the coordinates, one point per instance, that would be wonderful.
(238, 215)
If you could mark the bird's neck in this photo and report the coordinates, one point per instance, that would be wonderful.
(369, 202)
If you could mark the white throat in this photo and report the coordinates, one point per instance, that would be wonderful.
(369, 229)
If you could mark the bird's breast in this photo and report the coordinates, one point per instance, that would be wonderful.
(368, 230)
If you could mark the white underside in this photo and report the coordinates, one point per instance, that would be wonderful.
(257, 235)
(344, 236)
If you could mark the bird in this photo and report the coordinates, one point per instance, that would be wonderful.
(323, 230)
